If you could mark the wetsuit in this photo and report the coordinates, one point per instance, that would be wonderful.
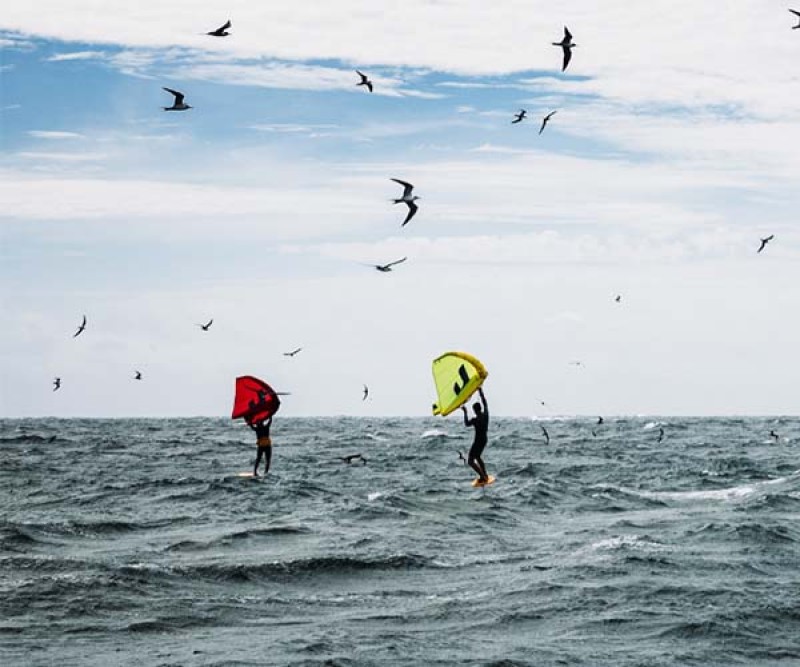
(481, 424)
(264, 444)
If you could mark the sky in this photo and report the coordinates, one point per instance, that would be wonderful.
(267, 204)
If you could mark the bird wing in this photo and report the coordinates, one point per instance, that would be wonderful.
(369, 86)
(796, 13)
(362, 75)
(397, 261)
(226, 26)
(567, 34)
(178, 96)
(407, 186)
(544, 122)
(567, 57)
(412, 209)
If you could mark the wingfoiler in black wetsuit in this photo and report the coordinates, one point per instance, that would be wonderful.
(481, 424)
(264, 444)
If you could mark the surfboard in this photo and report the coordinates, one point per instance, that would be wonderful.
(246, 475)
(477, 483)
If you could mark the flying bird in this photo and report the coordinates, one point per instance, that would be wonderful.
(137, 376)
(618, 298)
(81, 328)
(772, 434)
(385, 268)
(292, 353)
(406, 199)
(352, 457)
(178, 104)
(660, 434)
(566, 46)
(579, 364)
(765, 241)
(366, 393)
(546, 434)
(56, 384)
(546, 119)
(364, 81)
(796, 13)
(519, 116)
(222, 31)
(599, 421)
(462, 457)
(207, 325)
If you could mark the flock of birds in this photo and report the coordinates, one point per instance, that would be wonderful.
(409, 199)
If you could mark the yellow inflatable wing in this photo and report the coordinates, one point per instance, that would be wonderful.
(457, 375)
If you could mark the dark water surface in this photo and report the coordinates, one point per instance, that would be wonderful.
(133, 542)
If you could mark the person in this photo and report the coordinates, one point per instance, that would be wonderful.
(264, 444)
(480, 422)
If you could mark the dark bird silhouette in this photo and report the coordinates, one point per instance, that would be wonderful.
(462, 457)
(352, 457)
(385, 268)
(178, 104)
(207, 325)
(292, 353)
(566, 46)
(364, 81)
(772, 434)
(81, 328)
(137, 376)
(765, 241)
(56, 384)
(797, 14)
(406, 199)
(546, 119)
(222, 31)
(519, 116)
(618, 298)
(599, 421)
(546, 434)
(594, 433)
(366, 393)
(660, 434)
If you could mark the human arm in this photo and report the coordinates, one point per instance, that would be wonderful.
(467, 421)
(483, 400)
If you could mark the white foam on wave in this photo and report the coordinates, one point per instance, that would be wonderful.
(436, 433)
(732, 493)
(374, 495)
(623, 542)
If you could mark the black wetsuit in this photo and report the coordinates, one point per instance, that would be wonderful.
(480, 422)
(264, 444)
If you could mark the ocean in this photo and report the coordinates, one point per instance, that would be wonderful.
(134, 542)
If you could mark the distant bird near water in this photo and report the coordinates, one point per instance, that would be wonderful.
(765, 241)
(137, 376)
(660, 434)
(207, 325)
(546, 435)
(618, 298)
(774, 435)
(797, 14)
(566, 46)
(352, 457)
(461, 456)
(56, 384)
(385, 268)
(547, 118)
(81, 328)
(366, 393)
(222, 31)
(519, 116)
(599, 421)
(293, 352)
(364, 81)
(406, 199)
(178, 104)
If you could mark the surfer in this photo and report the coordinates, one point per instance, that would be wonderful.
(481, 424)
(264, 444)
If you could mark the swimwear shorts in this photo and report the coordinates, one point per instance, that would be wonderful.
(265, 442)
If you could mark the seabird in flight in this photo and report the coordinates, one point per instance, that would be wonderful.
(366, 393)
(406, 199)
(796, 13)
(292, 353)
(207, 325)
(80, 328)
(352, 457)
(461, 456)
(660, 434)
(364, 81)
(178, 104)
(138, 375)
(566, 46)
(546, 434)
(618, 298)
(519, 116)
(385, 268)
(56, 384)
(599, 421)
(765, 241)
(222, 31)
(547, 118)
(772, 434)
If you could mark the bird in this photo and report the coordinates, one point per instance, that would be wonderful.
(618, 298)
(579, 364)
(207, 325)
(765, 241)
(178, 104)
(56, 384)
(546, 434)
(366, 393)
(352, 457)
(519, 116)
(566, 46)
(81, 328)
(796, 13)
(222, 31)
(292, 353)
(660, 434)
(462, 457)
(137, 376)
(547, 118)
(772, 434)
(599, 421)
(406, 199)
(385, 268)
(364, 81)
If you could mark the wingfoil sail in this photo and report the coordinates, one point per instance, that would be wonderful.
(457, 375)
(255, 400)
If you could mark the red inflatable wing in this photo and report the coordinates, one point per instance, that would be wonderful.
(255, 400)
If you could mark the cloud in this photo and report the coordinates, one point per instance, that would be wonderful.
(60, 157)
(55, 134)
(76, 55)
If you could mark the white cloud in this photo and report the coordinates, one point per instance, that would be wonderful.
(60, 157)
(76, 55)
(54, 134)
